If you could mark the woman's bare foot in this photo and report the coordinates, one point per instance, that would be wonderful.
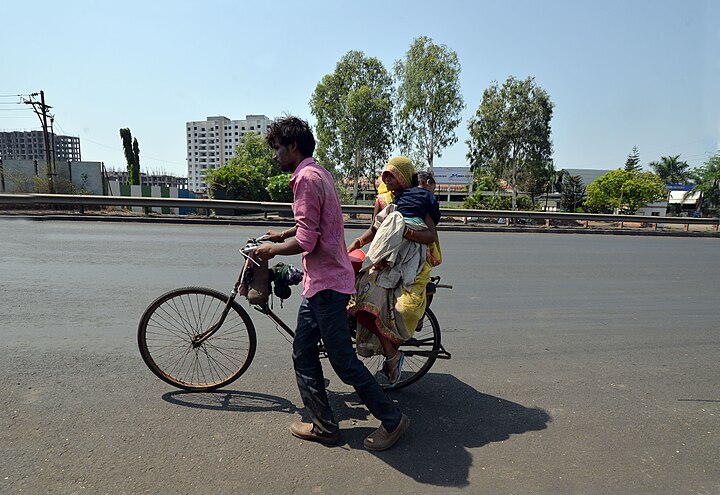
(393, 367)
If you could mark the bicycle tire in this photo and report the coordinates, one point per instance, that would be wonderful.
(168, 326)
(426, 337)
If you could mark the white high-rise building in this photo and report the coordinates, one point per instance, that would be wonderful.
(211, 142)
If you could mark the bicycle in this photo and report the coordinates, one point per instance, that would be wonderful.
(200, 339)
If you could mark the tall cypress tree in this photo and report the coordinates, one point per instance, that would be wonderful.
(632, 164)
(136, 162)
(132, 156)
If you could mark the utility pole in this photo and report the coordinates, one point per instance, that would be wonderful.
(52, 133)
(40, 109)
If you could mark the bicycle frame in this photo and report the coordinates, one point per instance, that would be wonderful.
(434, 284)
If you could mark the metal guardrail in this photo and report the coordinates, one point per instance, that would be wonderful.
(81, 201)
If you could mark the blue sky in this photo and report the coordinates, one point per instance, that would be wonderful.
(621, 73)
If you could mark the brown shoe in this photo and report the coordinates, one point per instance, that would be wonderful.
(307, 431)
(380, 439)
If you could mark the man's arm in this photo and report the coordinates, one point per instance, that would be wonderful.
(276, 236)
(269, 251)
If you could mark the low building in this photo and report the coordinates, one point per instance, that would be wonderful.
(146, 179)
(682, 200)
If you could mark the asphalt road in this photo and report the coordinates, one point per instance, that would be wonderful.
(581, 364)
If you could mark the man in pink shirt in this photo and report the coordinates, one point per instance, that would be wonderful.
(329, 280)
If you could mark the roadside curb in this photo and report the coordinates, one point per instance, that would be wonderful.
(358, 225)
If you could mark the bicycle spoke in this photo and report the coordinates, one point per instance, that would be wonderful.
(168, 333)
(418, 358)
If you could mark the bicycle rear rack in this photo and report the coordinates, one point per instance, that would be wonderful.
(441, 353)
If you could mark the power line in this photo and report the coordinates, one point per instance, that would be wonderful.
(121, 150)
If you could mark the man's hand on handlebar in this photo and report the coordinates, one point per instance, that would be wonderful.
(274, 236)
(265, 252)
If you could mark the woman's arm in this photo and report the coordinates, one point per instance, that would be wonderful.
(366, 237)
(423, 236)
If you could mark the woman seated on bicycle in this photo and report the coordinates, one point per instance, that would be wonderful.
(389, 307)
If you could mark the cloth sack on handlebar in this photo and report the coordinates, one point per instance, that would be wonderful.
(259, 282)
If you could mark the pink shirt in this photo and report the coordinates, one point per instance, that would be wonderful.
(320, 231)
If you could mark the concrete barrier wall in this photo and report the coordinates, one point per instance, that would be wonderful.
(19, 176)
(117, 189)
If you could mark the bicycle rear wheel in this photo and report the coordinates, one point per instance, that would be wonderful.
(419, 354)
(171, 323)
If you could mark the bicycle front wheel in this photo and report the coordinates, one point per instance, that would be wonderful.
(170, 325)
(420, 354)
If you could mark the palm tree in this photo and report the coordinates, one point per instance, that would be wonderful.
(671, 170)
(707, 181)
(554, 181)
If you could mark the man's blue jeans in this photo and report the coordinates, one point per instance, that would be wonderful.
(324, 316)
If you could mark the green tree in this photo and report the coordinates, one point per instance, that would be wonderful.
(573, 193)
(707, 181)
(279, 188)
(428, 100)
(633, 161)
(624, 191)
(538, 180)
(132, 156)
(254, 152)
(510, 132)
(235, 181)
(672, 170)
(246, 175)
(485, 183)
(353, 108)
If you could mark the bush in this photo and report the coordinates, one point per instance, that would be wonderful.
(237, 182)
(279, 188)
(480, 202)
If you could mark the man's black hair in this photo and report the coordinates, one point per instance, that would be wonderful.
(288, 130)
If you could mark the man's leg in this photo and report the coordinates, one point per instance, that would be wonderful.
(329, 309)
(308, 371)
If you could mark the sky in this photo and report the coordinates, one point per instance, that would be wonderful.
(620, 73)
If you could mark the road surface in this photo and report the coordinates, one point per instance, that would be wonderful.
(581, 364)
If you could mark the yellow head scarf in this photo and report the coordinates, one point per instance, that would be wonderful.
(402, 169)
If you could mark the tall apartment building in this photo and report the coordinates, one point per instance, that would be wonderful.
(211, 142)
(30, 145)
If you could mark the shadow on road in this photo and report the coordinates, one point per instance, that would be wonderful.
(230, 400)
(448, 418)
